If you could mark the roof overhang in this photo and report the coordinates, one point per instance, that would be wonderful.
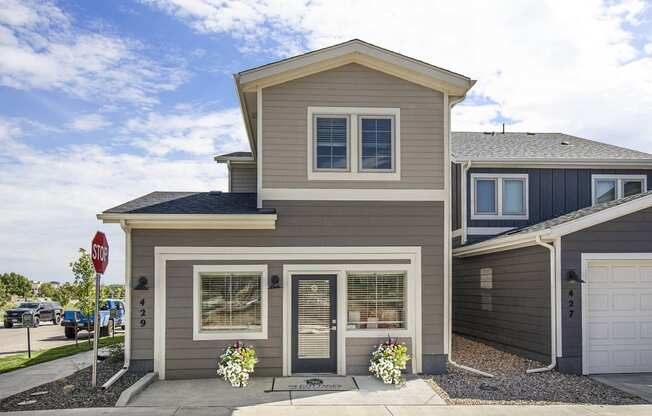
(555, 163)
(234, 159)
(192, 221)
(510, 242)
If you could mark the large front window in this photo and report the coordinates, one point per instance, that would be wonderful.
(376, 300)
(611, 187)
(229, 303)
(500, 196)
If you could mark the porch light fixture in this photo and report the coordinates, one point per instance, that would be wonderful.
(275, 282)
(573, 277)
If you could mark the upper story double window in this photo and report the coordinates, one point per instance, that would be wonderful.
(611, 187)
(346, 143)
(499, 196)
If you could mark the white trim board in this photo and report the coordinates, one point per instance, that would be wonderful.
(193, 221)
(314, 194)
(164, 254)
(488, 230)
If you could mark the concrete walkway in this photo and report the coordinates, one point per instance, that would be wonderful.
(570, 410)
(639, 384)
(23, 379)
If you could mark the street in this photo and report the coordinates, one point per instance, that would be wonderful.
(14, 340)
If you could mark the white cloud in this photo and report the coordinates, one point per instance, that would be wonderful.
(41, 50)
(553, 65)
(189, 131)
(89, 122)
(55, 194)
(648, 48)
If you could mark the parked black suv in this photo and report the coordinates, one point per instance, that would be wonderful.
(43, 311)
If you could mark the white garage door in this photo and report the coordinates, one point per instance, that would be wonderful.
(618, 316)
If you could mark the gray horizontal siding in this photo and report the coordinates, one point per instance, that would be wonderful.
(519, 319)
(243, 177)
(628, 234)
(285, 126)
(309, 223)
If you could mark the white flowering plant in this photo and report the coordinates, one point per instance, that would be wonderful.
(236, 364)
(388, 360)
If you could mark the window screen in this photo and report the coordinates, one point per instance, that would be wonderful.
(513, 196)
(376, 143)
(231, 302)
(331, 138)
(376, 300)
(485, 196)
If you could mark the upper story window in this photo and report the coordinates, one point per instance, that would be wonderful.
(349, 143)
(499, 196)
(611, 187)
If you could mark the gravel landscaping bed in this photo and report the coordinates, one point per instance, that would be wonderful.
(74, 391)
(511, 385)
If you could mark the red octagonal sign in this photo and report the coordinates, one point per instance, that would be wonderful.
(100, 252)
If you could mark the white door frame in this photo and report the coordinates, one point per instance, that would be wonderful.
(585, 259)
(164, 254)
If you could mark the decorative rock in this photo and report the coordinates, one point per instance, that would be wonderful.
(26, 402)
(39, 393)
(68, 388)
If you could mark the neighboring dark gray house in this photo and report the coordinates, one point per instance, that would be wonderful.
(334, 235)
(553, 257)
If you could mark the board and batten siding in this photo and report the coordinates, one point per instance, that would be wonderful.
(285, 126)
(242, 178)
(514, 313)
(552, 192)
(628, 234)
(302, 224)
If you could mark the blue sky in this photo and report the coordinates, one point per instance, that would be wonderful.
(101, 102)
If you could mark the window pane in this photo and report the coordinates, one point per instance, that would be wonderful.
(632, 188)
(485, 196)
(331, 143)
(376, 300)
(514, 196)
(231, 302)
(376, 141)
(605, 190)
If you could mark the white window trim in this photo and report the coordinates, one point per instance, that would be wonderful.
(354, 172)
(347, 117)
(197, 333)
(499, 178)
(620, 179)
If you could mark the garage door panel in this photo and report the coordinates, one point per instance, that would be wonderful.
(618, 297)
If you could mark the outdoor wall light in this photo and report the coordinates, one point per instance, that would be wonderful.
(573, 277)
(275, 282)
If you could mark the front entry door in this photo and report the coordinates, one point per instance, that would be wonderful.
(314, 324)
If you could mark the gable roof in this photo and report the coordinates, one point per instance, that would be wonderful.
(560, 226)
(539, 148)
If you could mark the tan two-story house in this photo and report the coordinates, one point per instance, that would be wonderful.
(334, 234)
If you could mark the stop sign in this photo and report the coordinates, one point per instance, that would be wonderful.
(100, 252)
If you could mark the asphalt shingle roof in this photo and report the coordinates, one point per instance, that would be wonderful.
(235, 154)
(192, 203)
(505, 146)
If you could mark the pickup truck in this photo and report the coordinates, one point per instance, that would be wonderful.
(42, 311)
(112, 313)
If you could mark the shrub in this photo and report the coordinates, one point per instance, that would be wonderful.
(236, 363)
(388, 360)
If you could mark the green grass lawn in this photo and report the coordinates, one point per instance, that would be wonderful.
(13, 362)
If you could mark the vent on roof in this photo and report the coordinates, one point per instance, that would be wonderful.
(215, 193)
(530, 134)
(565, 143)
(489, 133)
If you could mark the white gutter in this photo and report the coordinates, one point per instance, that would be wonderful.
(127, 348)
(553, 309)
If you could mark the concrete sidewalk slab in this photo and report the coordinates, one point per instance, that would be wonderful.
(639, 384)
(23, 379)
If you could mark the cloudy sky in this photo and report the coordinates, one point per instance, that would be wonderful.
(101, 102)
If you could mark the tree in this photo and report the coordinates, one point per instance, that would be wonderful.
(46, 290)
(84, 284)
(113, 291)
(4, 296)
(64, 294)
(16, 284)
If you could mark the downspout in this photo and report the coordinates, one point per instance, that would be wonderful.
(553, 309)
(127, 350)
(451, 104)
(464, 199)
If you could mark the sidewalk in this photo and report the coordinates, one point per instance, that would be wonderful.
(570, 410)
(23, 379)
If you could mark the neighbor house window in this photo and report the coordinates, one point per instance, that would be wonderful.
(376, 301)
(230, 302)
(331, 143)
(376, 143)
(611, 187)
(354, 143)
(502, 196)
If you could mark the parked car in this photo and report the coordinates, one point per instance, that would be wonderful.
(112, 314)
(42, 311)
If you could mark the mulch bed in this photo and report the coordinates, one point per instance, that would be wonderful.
(511, 385)
(75, 390)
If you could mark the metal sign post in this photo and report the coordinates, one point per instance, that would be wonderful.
(28, 322)
(100, 257)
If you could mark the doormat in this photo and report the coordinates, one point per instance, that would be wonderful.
(314, 383)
